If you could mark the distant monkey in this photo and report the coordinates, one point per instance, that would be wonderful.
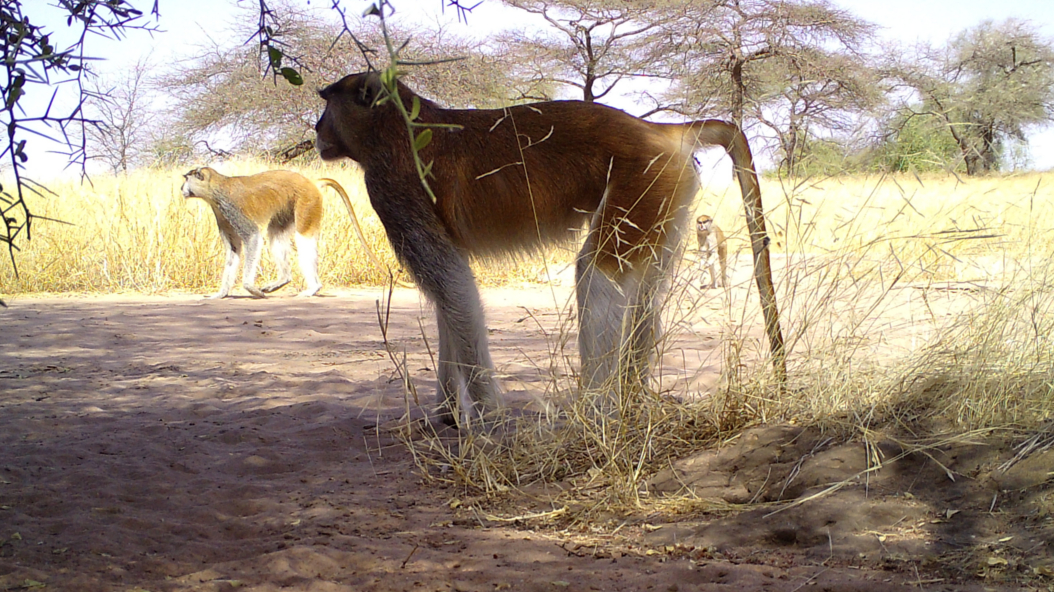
(283, 201)
(509, 180)
(712, 246)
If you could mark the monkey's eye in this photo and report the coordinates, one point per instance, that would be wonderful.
(199, 175)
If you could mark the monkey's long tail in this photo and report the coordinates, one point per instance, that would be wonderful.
(731, 138)
(355, 222)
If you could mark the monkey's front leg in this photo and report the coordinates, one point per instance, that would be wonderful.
(442, 272)
(253, 246)
(230, 267)
(466, 372)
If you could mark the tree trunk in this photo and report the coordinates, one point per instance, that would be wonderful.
(587, 87)
(739, 91)
(989, 151)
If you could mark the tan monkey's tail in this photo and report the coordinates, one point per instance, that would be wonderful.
(355, 222)
(731, 138)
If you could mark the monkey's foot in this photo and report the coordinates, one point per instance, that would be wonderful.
(216, 296)
(446, 416)
(256, 293)
(275, 286)
(309, 292)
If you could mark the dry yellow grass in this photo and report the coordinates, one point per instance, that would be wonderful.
(136, 232)
(904, 292)
(930, 220)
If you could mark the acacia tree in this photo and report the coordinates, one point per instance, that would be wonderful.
(908, 142)
(118, 110)
(788, 64)
(222, 93)
(597, 44)
(812, 95)
(989, 84)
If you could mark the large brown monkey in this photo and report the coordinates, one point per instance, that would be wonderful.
(507, 180)
(285, 202)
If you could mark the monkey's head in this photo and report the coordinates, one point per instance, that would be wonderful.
(703, 223)
(347, 122)
(197, 183)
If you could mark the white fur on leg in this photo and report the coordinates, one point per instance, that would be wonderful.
(307, 255)
(230, 271)
(452, 397)
(281, 248)
(253, 246)
(466, 383)
(601, 308)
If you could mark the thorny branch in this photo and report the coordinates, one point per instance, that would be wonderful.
(31, 62)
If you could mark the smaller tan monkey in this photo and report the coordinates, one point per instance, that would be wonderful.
(712, 245)
(285, 202)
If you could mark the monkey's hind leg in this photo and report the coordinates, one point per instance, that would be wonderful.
(307, 254)
(281, 240)
(601, 309)
(618, 327)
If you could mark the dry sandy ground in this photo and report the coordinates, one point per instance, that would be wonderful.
(171, 443)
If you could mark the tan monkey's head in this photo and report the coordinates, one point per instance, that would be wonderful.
(702, 223)
(196, 183)
(347, 124)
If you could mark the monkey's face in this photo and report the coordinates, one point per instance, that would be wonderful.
(194, 183)
(703, 223)
(346, 121)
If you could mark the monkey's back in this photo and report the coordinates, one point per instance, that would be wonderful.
(534, 173)
(285, 195)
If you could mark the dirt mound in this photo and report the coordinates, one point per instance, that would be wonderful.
(965, 507)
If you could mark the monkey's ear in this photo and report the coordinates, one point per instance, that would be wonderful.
(370, 89)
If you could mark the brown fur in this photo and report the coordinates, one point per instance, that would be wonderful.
(711, 240)
(512, 179)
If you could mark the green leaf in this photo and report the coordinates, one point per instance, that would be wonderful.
(415, 110)
(292, 76)
(422, 140)
(275, 55)
(15, 92)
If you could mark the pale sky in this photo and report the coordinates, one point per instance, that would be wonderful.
(190, 22)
